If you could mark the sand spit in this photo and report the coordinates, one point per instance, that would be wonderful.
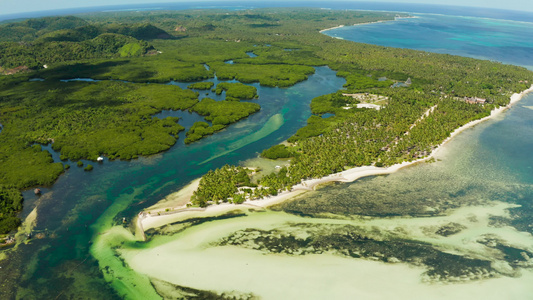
(175, 200)
(166, 214)
(366, 23)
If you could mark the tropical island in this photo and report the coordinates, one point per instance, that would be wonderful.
(129, 58)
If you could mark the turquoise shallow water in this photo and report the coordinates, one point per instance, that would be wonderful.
(506, 41)
(482, 185)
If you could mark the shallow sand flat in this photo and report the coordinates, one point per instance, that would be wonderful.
(190, 261)
(322, 277)
(154, 220)
(214, 210)
(177, 199)
(475, 219)
(273, 123)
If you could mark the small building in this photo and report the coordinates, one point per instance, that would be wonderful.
(475, 100)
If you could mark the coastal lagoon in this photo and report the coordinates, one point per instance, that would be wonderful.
(459, 227)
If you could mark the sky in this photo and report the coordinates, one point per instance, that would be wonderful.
(21, 6)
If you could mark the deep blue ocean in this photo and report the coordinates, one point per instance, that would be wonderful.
(490, 163)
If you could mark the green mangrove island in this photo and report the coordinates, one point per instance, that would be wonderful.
(90, 85)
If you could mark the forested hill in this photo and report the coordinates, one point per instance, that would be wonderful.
(70, 28)
(33, 43)
(31, 29)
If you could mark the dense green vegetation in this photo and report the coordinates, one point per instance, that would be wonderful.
(222, 183)
(29, 30)
(220, 114)
(277, 151)
(38, 54)
(10, 205)
(331, 103)
(201, 85)
(200, 129)
(37, 42)
(236, 91)
(140, 70)
(224, 112)
(85, 120)
(266, 75)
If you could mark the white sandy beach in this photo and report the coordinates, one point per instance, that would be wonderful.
(366, 23)
(340, 26)
(177, 210)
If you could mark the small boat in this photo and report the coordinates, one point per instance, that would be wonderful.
(37, 191)
(100, 159)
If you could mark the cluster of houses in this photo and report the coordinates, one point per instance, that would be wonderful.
(475, 100)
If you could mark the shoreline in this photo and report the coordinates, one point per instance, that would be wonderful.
(357, 24)
(152, 221)
(365, 23)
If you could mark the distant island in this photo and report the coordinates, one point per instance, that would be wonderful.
(422, 97)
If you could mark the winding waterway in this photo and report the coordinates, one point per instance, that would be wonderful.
(83, 205)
